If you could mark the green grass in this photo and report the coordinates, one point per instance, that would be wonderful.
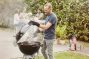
(68, 55)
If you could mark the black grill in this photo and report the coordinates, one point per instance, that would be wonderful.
(27, 48)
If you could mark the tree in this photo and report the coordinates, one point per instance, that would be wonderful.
(72, 13)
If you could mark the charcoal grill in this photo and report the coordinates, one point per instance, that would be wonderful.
(27, 48)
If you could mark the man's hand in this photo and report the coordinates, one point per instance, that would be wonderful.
(34, 23)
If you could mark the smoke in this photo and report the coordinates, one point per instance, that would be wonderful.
(7, 11)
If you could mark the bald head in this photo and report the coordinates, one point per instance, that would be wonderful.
(48, 8)
(49, 5)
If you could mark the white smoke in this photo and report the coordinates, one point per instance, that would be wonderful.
(7, 10)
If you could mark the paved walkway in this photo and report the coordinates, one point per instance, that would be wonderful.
(9, 51)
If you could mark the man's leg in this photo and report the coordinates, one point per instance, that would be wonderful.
(43, 50)
(49, 44)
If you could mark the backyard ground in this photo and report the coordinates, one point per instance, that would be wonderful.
(68, 55)
(9, 51)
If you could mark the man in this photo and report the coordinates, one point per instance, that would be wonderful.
(49, 31)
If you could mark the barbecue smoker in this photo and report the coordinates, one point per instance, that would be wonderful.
(27, 41)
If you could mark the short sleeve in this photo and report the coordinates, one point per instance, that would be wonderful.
(52, 20)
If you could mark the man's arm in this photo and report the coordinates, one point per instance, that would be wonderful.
(51, 21)
(40, 29)
(44, 27)
(47, 25)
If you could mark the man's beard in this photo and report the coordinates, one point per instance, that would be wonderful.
(46, 14)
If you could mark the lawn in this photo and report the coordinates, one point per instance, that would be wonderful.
(68, 55)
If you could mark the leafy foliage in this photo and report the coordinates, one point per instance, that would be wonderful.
(61, 31)
(72, 13)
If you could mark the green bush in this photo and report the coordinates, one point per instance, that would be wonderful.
(72, 13)
(61, 31)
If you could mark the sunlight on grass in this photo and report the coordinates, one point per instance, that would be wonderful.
(68, 55)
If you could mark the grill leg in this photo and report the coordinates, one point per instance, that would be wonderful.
(28, 57)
